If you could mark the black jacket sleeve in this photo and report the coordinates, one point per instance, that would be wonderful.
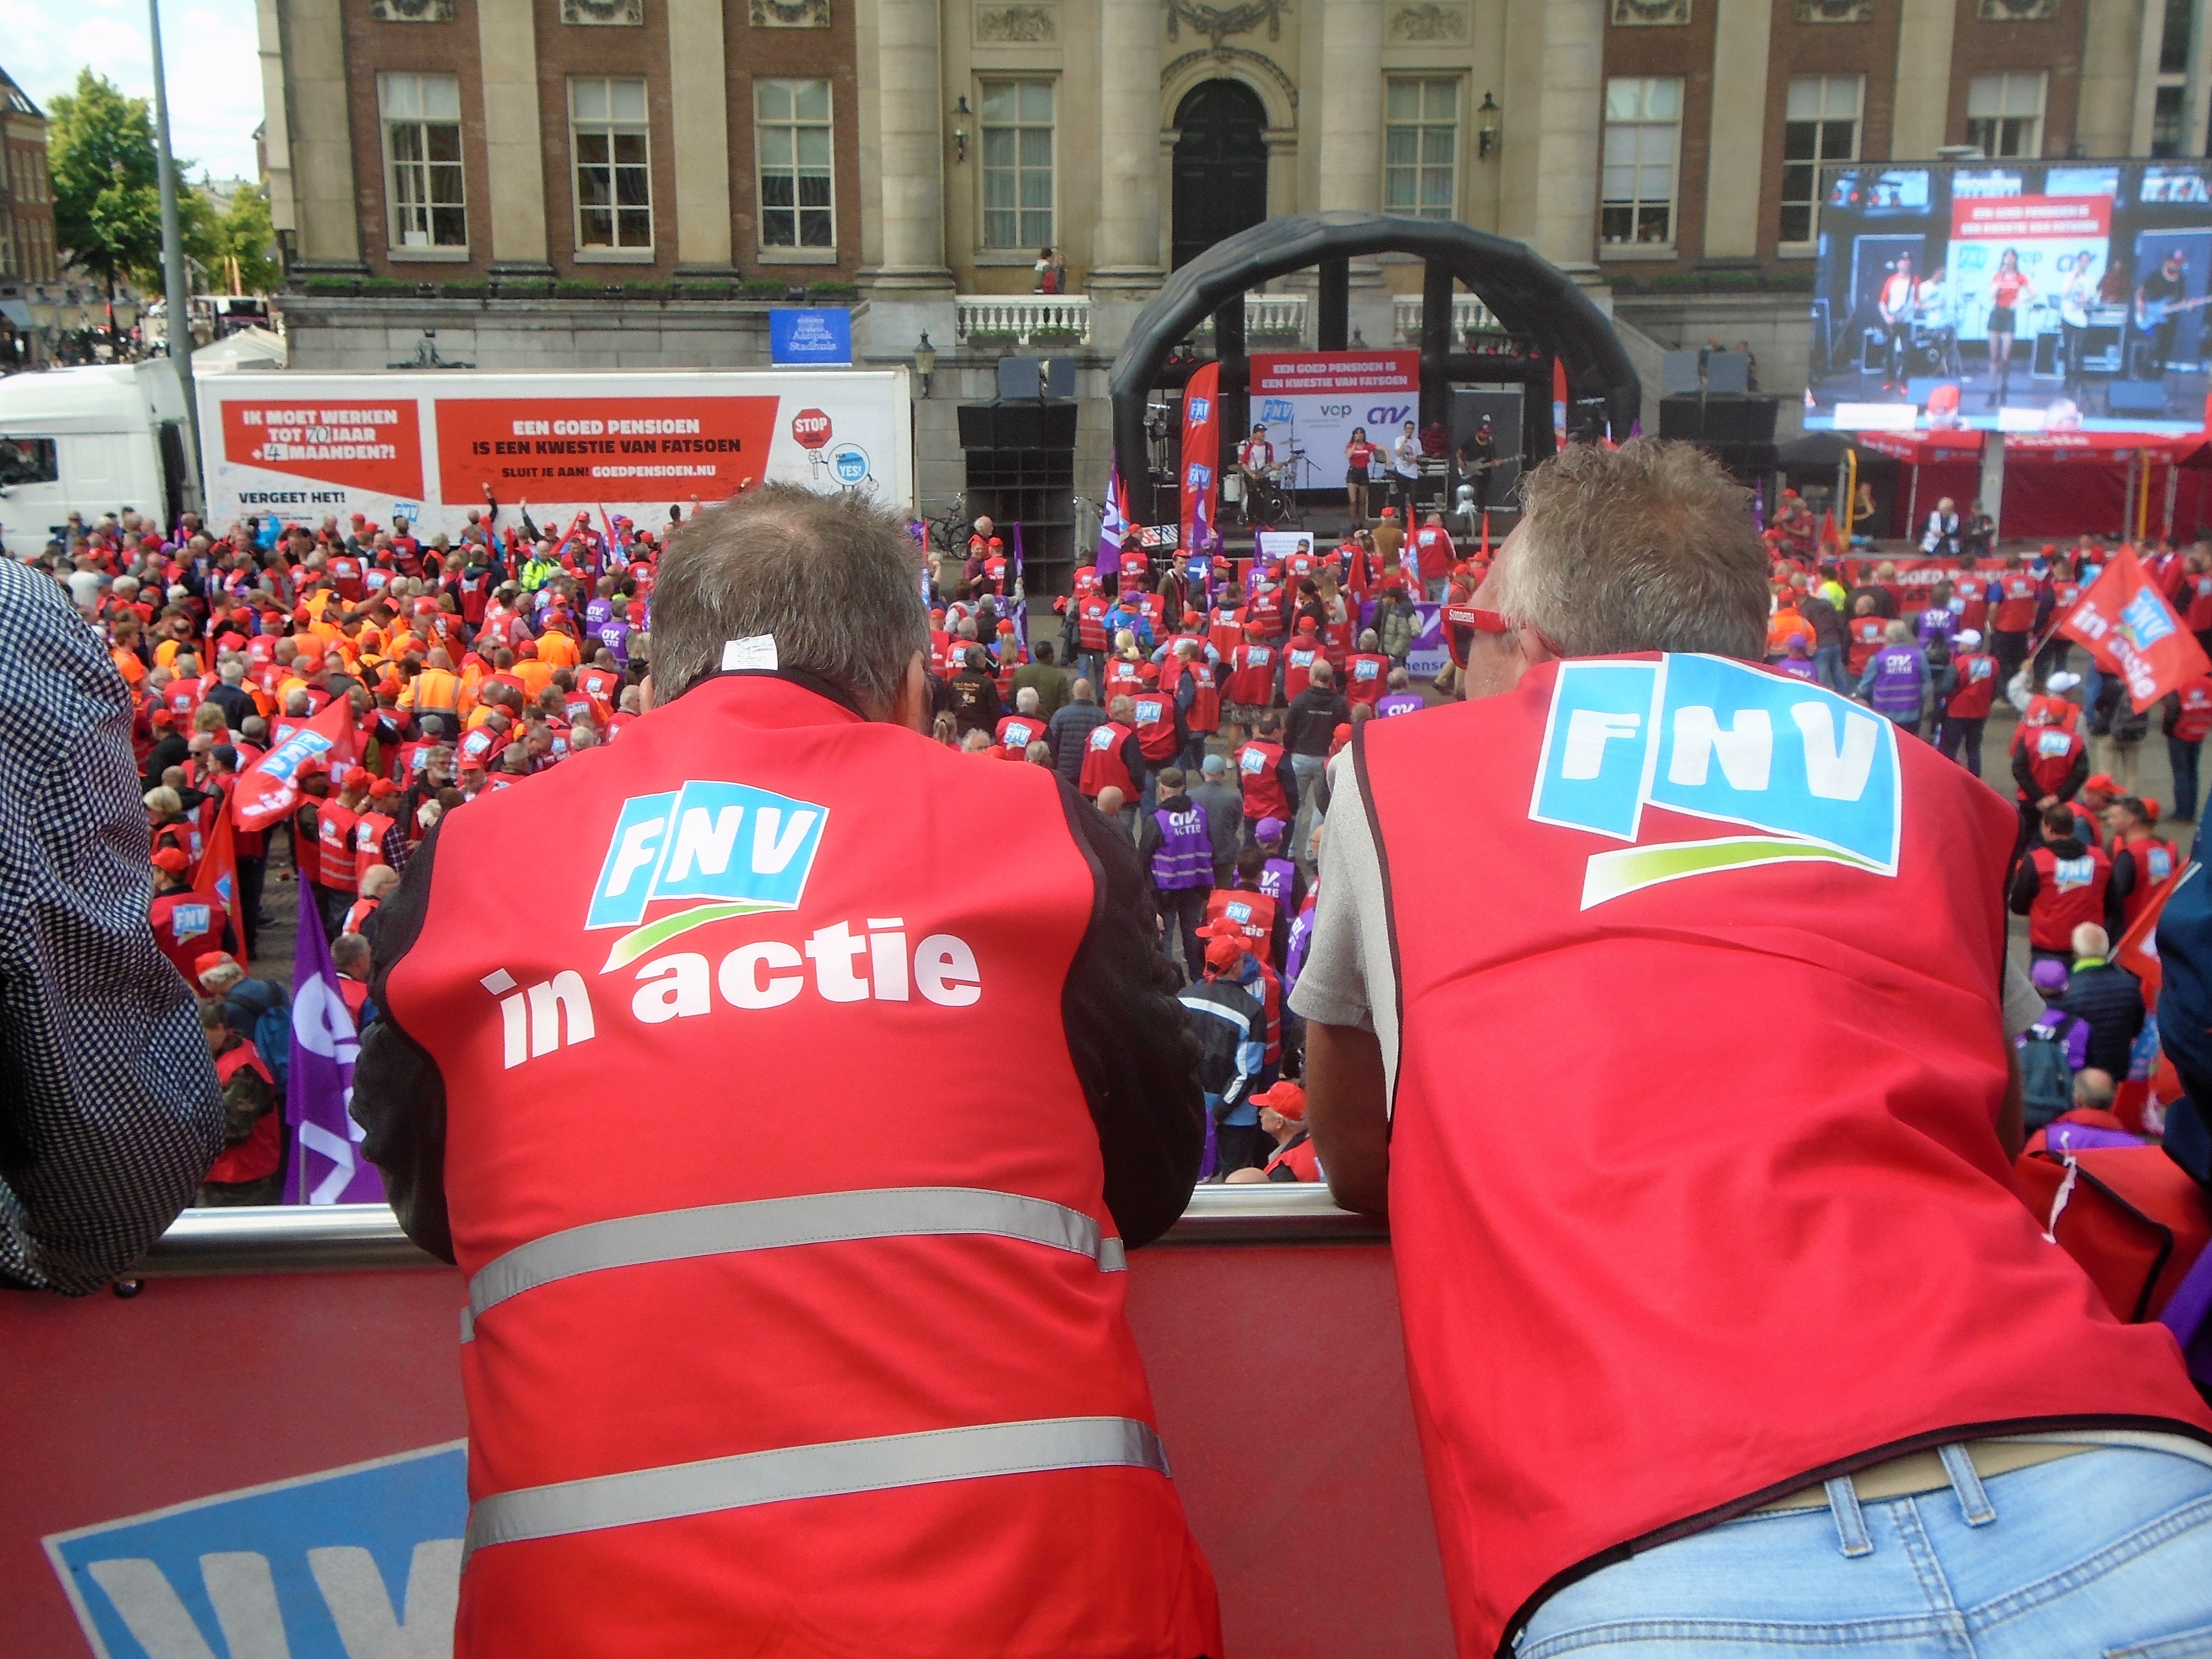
(1287, 776)
(1132, 756)
(398, 1093)
(2078, 776)
(2117, 886)
(2024, 884)
(1127, 1035)
(2020, 774)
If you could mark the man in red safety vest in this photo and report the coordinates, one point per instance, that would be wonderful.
(1967, 711)
(2064, 881)
(1265, 776)
(186, 923)
(1607, 1364)
(2142, 857)
(2012, 599)
(895, 1405)
(2186, 714)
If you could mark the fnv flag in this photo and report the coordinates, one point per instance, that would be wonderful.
(327, 1167)
(1201, 455)
(269, 788)
(217, 880)
(2132, 631)
(1115, 526)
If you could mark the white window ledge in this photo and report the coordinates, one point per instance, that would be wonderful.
(427, 255)
(1007, 256)
(1636, 251)
(797, 256)
(614, 256)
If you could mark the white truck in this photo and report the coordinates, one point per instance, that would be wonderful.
(424, 445)
(93, 440)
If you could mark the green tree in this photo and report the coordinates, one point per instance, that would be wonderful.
(240, 255)
(107, 202)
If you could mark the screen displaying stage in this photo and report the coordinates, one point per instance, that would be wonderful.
(2013, 296)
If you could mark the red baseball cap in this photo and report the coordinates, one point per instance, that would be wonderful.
(1287, 1099)
(208, 961)
(380, 787)
(173, 859)
(2104, 784)
(356, 777)
(1222, 952)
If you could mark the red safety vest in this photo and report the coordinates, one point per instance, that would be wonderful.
(1154, 715)
(186, 927)
(1366, 674)
(1259, 775)
(1226, 631)
(947, 1443)
(1103, 762)
(1297, 666)
(1761, 1344)
(1974, 590)
(1091, 622)
(2068, 892)
(1869, 634)
(2051, 753)
(1977, 687)
(257, 1155)
(1252, 675)
(1124, 678)
(2194, 717)
(307, 846)
(2015, 605)
(2156, 858)
(1204, 714)
(334, 829)
(370, 831)
(1016, 733)
(1252, 914)
(358, 912)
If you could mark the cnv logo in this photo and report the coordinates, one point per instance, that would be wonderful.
(725, 848)
(1814, 774)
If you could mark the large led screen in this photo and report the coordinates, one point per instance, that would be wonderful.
(2013, 296)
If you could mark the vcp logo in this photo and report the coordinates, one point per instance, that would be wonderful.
(850, 463)
(1814, 773)
(725, 848)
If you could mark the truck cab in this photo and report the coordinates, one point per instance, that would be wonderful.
(95, 440)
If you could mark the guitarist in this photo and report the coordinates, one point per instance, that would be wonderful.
(1900, 294)
(2157, 315)
(1478, 457)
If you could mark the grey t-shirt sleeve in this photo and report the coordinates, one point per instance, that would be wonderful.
(1348, 978)
(2023, 1003)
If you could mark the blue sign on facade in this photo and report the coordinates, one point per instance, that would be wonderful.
(799, 339)
(341, 1565)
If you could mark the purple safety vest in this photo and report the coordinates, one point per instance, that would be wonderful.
(1399, 702)
(1185, 858)
(1277, 877)
(1897, 674)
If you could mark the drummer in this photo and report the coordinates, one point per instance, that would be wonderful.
(1255, 456)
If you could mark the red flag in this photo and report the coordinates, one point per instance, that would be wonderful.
(1201, 456)
(271, 789)
(217, 880)
(2137, 951)
(2132, 631)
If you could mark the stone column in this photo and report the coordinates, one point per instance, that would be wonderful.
(2104, 103)
(1126, 245)
(912, 147)
(698, 93)
(1924, 79)
(1351, 106)
(1573, 112)
(324, 194)
(1738, 154)
(515, 157)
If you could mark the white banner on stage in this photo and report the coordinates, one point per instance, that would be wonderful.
(1312, 402)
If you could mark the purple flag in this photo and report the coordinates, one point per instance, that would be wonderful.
(327, 1167)
(1115, 527)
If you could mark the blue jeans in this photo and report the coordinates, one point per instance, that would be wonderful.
(2105, 1552)
(1307, 770)
(2184, 756)
(1828, 668)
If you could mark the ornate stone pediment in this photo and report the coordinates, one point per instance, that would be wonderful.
(603, 11)
(1418, 23)
(411, 11)
(1632, 12)
(1025, 25)
(1217, 23)
(789, 14)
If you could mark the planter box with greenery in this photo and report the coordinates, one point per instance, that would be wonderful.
(703, 290)
(645, 290)
(574, 291)
(530, 288)
(761, 288)
(1055, 339)
(992, 339)
(387, 287)
(331, 286)
(832, 294)
(464, 291)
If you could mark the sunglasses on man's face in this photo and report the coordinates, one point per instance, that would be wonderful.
(1497, 622)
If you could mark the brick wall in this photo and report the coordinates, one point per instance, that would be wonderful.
(1979, 47)
(1687, 51)
(1868, 50)
(373, 48)
(783, 53)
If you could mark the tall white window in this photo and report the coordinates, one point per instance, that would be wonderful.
(1822, 125)
(1420, 148)
(2004, 113)
(1643, 135)
(614, 180)
(791, 127)
(1017, 164)
(423, 159)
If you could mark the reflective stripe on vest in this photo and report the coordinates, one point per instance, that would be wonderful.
(771, 1223)
(833, 1468)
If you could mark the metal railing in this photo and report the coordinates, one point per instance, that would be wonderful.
(342, 1237)
(1468, 312)
(1022, 315)
(1268, 313)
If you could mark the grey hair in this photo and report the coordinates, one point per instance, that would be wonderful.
(1026, 701)
(835, 579)
(1898, 633)
(1646, 547)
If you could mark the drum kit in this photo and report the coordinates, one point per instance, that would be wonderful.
(1264, 495)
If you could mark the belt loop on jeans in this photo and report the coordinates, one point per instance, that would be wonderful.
(1850, 1520)
(1966, 1481)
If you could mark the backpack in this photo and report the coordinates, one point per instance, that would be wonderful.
(2046, 1081)
(271, 1032)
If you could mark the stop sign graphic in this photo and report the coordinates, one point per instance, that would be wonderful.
(812, 427)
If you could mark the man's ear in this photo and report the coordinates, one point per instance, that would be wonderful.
(911, 707)
(645, 692)
(1534, 650)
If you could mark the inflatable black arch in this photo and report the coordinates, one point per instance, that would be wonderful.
(1532, 299)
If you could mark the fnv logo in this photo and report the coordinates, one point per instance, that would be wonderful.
(726, 849)
(1813, 771)
(2145, 621)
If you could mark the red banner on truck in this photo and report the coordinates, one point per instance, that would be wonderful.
(369, 445)
(616, 449)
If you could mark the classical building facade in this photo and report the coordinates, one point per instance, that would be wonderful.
(583, 183)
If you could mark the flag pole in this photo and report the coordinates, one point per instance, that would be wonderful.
(172, 258)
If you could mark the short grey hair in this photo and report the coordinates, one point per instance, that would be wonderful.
(1649, 547)
(1898, 633)
(836, 580)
